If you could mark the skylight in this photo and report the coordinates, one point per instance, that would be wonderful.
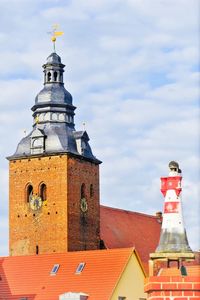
(80, 268)
(55, 269)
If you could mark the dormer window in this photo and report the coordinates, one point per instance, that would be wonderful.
(71, 295)
(82, 142)
(37, 141)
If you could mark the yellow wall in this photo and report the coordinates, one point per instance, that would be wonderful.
(131, 282)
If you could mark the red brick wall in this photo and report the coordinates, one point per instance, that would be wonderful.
(173, 288)
(84, 228)
(56, 226)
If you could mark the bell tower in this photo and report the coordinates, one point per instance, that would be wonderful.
(53, 177)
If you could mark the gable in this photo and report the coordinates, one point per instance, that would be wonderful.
(131, 273)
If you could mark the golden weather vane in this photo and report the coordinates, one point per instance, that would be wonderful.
(54, 34)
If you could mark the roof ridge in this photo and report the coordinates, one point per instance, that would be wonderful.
(129, 211)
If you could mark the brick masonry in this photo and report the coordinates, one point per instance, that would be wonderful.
(173, 287)
(59, 225)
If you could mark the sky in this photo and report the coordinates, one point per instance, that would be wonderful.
(132, 67)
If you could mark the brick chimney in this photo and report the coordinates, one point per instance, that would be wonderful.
(172, 287)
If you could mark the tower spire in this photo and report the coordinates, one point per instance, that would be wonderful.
(53, 117)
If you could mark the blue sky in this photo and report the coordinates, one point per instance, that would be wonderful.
(132, 67)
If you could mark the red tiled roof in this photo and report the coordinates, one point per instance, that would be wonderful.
(30, 275)
(122, 228)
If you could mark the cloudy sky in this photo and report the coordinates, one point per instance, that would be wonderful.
(132, 68)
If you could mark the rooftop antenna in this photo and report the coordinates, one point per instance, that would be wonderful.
(84, 126)
(54, 34)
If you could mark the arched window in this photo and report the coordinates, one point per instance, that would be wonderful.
(43, 191)
(55, 75)
(83, 191)
(49, 76)
(37, 143)
(37, 249)
(29, 192)
(91, 191)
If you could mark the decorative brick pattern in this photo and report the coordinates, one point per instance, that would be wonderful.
(173, 288)
(59, 225)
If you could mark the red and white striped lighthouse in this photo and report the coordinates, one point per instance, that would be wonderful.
(173, 238)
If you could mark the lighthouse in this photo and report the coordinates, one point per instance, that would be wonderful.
(173, 236)
(173, 244)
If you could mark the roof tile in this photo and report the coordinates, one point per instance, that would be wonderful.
(30, 275)
(122, 228)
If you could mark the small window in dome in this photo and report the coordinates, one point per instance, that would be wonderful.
(49, 76)
(55, 74)
(54, 117)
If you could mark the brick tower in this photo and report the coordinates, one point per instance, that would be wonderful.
(54, 177)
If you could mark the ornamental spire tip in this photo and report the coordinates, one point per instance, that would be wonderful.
(54, 34)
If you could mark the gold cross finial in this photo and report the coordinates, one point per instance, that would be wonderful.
(54, 34)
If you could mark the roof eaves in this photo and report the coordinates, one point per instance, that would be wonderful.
(140, 262)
